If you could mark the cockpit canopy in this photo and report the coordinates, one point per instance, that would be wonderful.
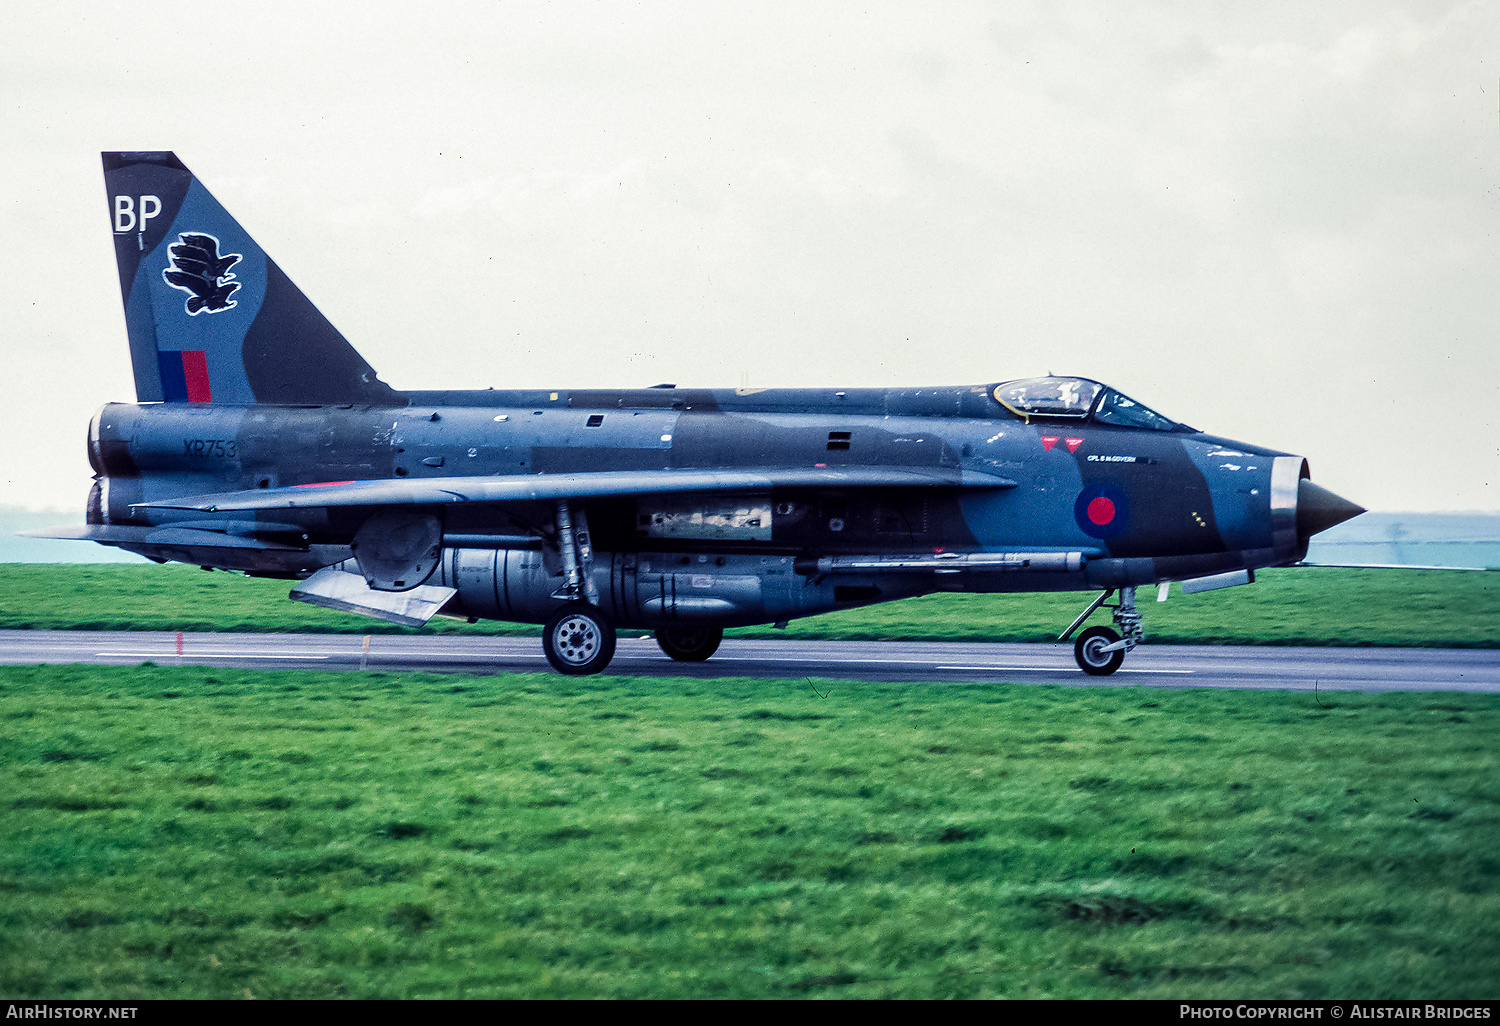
(1078, 399)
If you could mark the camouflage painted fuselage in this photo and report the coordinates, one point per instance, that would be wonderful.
(1135, 506)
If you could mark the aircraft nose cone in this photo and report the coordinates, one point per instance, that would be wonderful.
(1318, 509)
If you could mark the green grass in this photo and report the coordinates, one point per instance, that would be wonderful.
(198, 832)
(1423, 608)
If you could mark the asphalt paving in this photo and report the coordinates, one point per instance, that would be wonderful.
(1198, 666)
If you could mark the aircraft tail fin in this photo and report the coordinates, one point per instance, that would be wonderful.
(210, 316)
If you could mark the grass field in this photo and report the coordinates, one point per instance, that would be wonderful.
(198, 832)
(1434, 608)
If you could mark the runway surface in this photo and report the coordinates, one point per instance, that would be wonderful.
(1372, 669)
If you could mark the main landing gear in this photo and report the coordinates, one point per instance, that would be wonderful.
(1099, 650)
(689, 644)
(579, 639)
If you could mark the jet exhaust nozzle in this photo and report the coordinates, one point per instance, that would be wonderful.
(1318, 509)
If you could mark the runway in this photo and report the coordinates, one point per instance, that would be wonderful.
(1372, 669)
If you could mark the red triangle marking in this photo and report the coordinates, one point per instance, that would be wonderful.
(1048, 441)
(1073, 443)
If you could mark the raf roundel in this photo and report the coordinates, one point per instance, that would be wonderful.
(1102, 511)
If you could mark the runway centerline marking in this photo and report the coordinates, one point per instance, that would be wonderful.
(1058, 669)
(204, 655)
(842, 662)
(1006, 668)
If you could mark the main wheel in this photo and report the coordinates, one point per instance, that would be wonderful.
(579, 639)
(689, 644)
(1088, 650)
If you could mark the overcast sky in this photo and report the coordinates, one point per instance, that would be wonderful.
(1274, 221)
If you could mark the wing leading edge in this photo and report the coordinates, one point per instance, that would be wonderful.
(591, 485)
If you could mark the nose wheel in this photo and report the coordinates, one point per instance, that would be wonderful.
(1099, 651)
(1095, 654)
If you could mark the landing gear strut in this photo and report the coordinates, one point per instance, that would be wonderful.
(1099, 650)
(580, 637)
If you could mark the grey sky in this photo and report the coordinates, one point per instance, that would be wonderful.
(1273, 221)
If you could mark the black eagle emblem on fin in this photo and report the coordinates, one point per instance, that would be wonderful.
(196, 267)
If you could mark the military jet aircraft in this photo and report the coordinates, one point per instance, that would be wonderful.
(262, 442)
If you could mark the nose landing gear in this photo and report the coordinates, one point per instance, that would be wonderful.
(1099, 651)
